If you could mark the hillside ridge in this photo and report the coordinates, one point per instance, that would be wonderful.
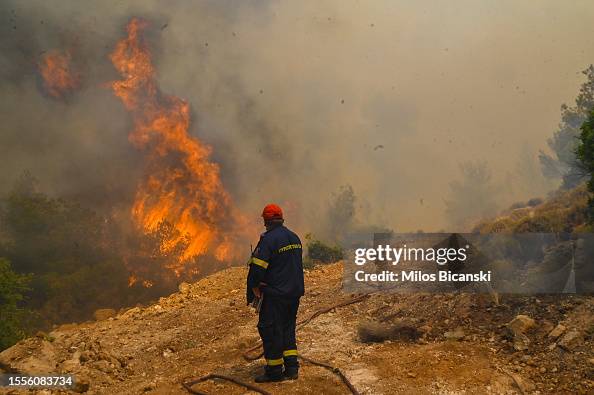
(206, 326)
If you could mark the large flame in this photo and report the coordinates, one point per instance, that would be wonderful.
(182, 186)
(59, 77)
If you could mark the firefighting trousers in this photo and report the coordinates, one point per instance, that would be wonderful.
(276, 325)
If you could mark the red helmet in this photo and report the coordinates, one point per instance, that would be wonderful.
(272, 211)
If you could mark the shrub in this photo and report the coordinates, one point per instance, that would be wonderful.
(13, 287)
(318, 251)
(534, 202)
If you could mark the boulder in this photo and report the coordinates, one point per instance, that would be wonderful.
(521, 324)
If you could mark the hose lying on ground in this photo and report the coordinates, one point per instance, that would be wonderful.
(188, 385)
(334, 370)
(246, 355)
(301, 324)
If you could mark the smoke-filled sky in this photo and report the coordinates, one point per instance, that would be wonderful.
(297, 98)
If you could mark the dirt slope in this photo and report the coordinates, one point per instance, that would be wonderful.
(465, 347)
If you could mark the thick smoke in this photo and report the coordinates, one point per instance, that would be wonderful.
(300, 98)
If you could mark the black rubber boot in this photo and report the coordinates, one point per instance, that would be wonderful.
(291, 373)
(266, 378)
(271, 374)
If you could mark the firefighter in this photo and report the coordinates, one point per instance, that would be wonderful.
(276, 276)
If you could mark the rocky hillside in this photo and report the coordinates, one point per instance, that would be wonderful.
(385, 344)
(563, 211)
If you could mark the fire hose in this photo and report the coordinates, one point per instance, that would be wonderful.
(189, 384)
(246, 355)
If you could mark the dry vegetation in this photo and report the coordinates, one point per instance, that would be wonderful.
(564, 211)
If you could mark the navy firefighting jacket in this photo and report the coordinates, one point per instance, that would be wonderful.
(276, 262)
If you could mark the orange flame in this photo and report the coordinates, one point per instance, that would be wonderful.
(182, 186)
(59, 78)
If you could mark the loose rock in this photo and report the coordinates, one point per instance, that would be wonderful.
(457, 334)
(517, 328)
(521, 324)
(184, 288)
(557, 331)
(571, 340)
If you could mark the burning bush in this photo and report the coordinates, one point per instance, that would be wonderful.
(182, 193)
(181, 221)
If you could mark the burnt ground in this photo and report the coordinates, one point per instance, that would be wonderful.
(465, 346)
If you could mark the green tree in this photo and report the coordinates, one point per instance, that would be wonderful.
(79, 260)
(585, 157)
(341, 212)
(472, 197)
(562, 163)
(46, 234)
(527, 179)
(13, 287)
